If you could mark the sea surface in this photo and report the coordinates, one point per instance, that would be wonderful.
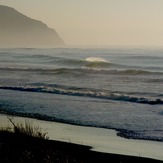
(112, 88)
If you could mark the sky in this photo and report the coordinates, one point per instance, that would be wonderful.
(99, 22)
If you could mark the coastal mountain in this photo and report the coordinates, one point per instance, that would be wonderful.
(18, 30)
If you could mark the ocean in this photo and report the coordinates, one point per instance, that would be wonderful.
(111, 88)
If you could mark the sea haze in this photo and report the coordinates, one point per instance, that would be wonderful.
(114, 88)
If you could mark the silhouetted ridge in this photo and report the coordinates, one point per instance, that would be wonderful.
(19, 30)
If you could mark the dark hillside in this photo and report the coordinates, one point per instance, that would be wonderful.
(19, 30)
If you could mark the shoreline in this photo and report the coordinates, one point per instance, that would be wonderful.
(101, 140)
(34, 149)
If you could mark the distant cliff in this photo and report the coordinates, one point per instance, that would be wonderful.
(18, 30)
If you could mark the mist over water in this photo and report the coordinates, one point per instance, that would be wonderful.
(110, 88)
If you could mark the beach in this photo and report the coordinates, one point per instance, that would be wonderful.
(107, 99)
(100, 140)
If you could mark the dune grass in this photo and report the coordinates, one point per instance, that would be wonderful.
(25, 129)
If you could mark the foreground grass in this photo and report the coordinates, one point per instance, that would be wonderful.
(27, 143)
(26, 129)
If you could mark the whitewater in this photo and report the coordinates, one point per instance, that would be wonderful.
(112, 88)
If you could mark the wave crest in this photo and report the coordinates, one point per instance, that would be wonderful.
(95, 59)
(64, 90)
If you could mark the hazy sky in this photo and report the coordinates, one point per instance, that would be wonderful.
(99, 22)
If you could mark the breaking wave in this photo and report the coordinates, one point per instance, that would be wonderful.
(95, 59)
(84, 92)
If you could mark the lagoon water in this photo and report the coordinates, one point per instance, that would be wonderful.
(112, 88)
